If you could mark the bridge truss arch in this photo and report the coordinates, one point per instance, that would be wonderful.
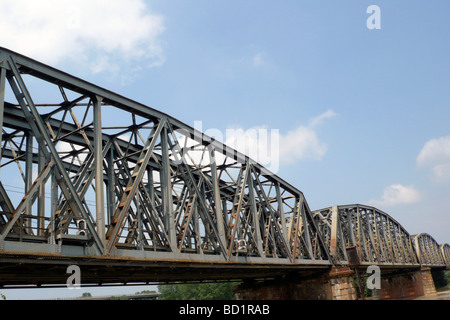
(445, 251)
(428, 250)
(137, 184)
(378, 238)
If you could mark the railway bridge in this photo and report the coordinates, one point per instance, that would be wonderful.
(132, 195)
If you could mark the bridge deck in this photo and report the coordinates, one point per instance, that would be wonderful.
(46, 268)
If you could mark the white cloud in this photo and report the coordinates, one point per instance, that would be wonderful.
(442, 171)
(271, 146)
(301, 144)
(259, 60)
(314, 122)
(396, 194)
(436, 154)
(100, 35)
(259, 143)
(254, 60)
(266, 146)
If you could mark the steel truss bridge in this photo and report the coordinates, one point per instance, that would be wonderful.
(132, 195)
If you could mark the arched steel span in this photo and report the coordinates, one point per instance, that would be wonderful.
(113, 178)
(428, 250)
(445, 251)
(378, 237)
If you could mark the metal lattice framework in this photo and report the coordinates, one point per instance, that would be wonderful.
(93, 178)
(428, 250)
(138, 183)
(379, 238)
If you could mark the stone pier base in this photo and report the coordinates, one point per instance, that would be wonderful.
(406, 285)
(342, 284)
(339, 284)
(334, 285)
(311, 289)
(428, 283)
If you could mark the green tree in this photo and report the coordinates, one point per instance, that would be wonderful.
(441, 278)
(200, 291)
(2, 296)
(146, 291)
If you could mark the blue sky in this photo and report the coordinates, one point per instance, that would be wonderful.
(368, 108)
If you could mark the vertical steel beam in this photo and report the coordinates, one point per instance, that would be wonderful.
(293, 230)
(400, 237)
(139, 230)
(341, 241)
(280, 208)
(306, 224)
(390, 239)
(361, 236)
(217, 199)
(53, 207)
(352, 226)
(41, 198)
(98, 160)
(234, 223)
(2, 102)
(255, 218)
(370, 246)
(377, 216)
(166, 189)
(385, 225)
(197, 236)
(426, 249)
(110, 199)
(150, 186)
(28, 180)
(334, 232)
(418, 249)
